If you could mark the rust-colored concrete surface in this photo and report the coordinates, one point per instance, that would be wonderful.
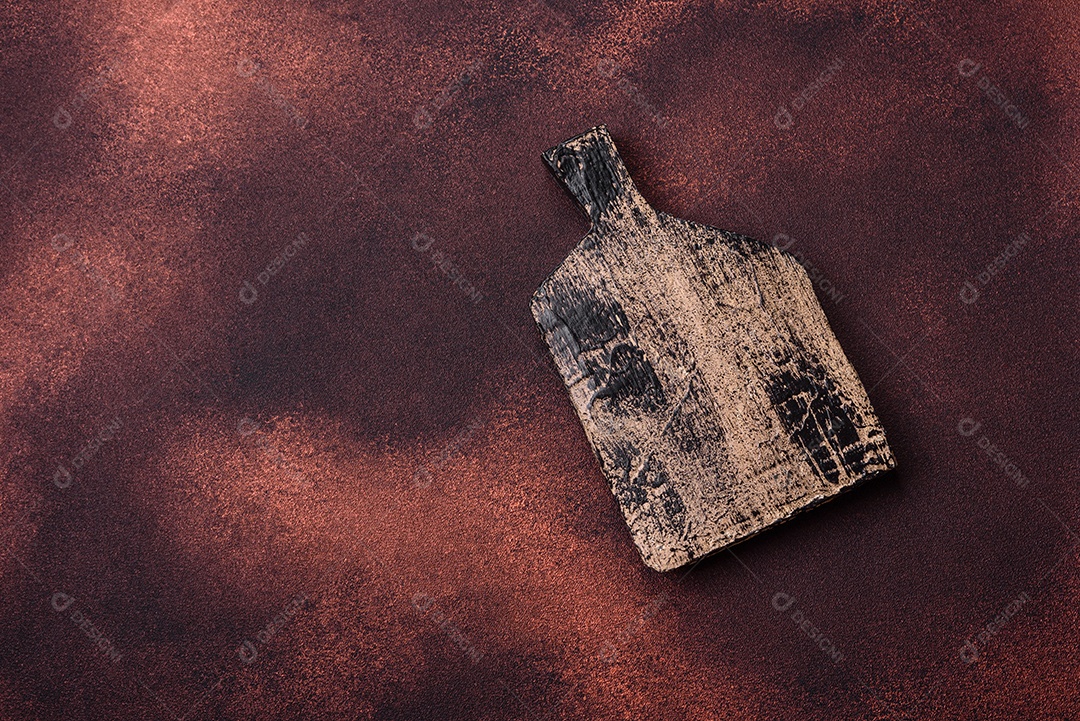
(279, 438)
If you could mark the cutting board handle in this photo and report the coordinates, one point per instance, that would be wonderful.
(590, 168)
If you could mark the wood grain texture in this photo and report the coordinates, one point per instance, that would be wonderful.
(703, 369)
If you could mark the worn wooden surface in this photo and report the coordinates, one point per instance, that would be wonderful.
(703, 369)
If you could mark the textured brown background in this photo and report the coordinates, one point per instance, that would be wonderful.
(410, 462)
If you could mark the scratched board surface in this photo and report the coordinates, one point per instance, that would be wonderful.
(709, 383)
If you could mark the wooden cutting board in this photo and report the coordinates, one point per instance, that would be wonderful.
(703, 369)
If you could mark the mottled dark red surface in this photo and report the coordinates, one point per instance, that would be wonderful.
(367, 437)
